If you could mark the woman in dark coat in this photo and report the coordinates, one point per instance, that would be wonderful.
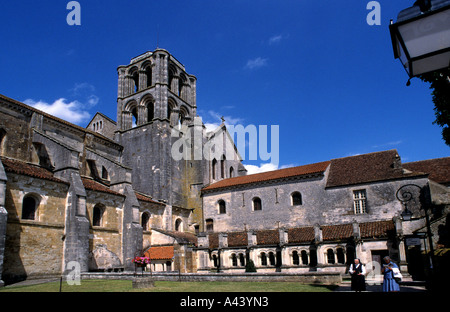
(357, 272)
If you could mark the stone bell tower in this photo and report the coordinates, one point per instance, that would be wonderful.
(155, 95)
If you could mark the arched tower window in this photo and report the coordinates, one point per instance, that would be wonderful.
(29, 207)
(97, 215)
(213, 168)
(150, 111)
(135, 78)
(222, 167)
(148, 73)
(181, 85)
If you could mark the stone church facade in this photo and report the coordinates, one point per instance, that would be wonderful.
(99, 196)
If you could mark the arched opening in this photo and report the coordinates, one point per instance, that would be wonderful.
(234, 260)
(148, 74)
(296, 199)
(263, 258)
(241, 259)
(330, 256)
(145, 218)
(134, 117)
(340, 256)
(272, 258)
(150, 111)
(222, 207)
(295, 258)
(179, 225)
(304, 257)
(257, 205)
(29, 207)
(135, 78)
(98, 214)
(213, 168)
(231, 172)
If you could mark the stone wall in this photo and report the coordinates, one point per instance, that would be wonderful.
(34, 247)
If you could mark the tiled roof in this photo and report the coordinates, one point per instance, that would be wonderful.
(376, 229)
(267, 237)
(236, 239)
(337, 232)
(270, 175)
(301, 235)
(367, 168)
(438, 169)
(21, 167)
(92, 185)
(159, 253)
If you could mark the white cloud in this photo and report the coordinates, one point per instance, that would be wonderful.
(252, 169)
(275, 39)
(70, 111)
(256, 63)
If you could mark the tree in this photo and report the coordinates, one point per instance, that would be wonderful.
(440, 84)
(250, 267)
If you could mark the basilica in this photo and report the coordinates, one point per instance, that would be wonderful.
(102, 195)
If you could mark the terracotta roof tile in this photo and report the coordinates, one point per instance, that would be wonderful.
(160, 253)
(366, 168)
(376, 229)
(270, 175)
(438, 169)
(267, 237)
(92, 185)
(24, 168)
(236, 239)
(337, 232)
(301, 235)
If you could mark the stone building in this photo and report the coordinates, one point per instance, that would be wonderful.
(155, 182)
(319, 217)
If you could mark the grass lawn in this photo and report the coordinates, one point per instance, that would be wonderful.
(126, 286)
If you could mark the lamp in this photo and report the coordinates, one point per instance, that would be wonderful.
(421, 37)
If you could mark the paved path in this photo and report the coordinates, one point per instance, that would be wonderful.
(346, 287)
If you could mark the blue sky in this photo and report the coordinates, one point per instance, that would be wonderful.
(315, 68)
